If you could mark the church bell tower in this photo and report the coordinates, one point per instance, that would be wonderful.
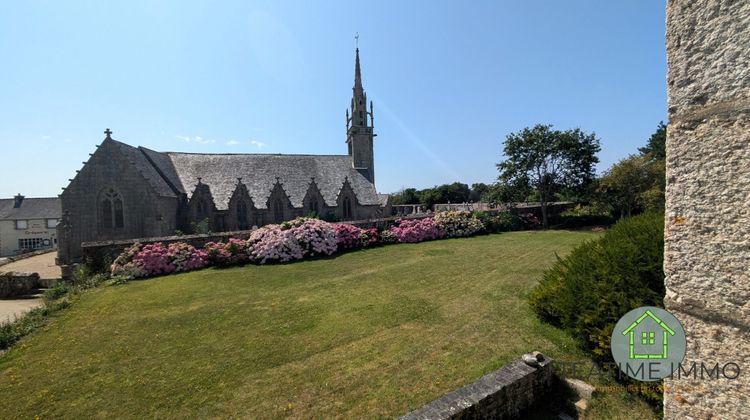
(359, 128)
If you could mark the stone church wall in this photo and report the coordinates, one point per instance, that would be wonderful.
(707, 222)
(145, 213)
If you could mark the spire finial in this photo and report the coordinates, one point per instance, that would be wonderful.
(356, 40)
(108, 132)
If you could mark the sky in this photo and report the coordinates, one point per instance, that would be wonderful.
(449, 80)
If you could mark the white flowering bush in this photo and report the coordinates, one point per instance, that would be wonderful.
(293, 240)
(458, 223)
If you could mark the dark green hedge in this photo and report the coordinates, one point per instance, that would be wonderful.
(587, 292)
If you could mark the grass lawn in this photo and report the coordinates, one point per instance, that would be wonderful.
(371, 333)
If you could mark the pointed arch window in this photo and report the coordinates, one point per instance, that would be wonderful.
(347, 203)
(111, 210)
(278, 211)
(242, 223)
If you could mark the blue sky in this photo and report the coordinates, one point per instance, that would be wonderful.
(448, 79)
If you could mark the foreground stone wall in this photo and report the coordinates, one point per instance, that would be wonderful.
(14, 284)
(707, 226)
(506, 393)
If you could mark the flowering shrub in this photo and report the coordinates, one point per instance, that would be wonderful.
(417, 230)
(154, 259)
(347, 236)
(458, 223)
(126, 265)
(388, 237)
(292, 241)
(529, 220)
(368, 237)
(185, 257)
(231, 252)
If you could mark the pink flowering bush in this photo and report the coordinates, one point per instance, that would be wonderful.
(234, 251)
(458, 223)
(185, 257)
(417, 230)
(154, 259)
(292, 241)
(126, 265)
(352, 237)
(347, 236)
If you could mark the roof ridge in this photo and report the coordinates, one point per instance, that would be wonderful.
(253, 154)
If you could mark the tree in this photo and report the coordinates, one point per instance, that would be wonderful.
(656, 148)
(633, 185)
(548, 160)
(478, 191)
(406, 196)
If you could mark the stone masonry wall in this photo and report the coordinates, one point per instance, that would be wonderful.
(707, 222)
(506, 393)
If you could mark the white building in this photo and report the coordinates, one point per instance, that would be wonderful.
(28, 224)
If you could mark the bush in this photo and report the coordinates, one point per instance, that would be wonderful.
(458, 223)
(414, 230)
(155, 259)
(292, 241)
(234, 251)
(587, 292)
(529, 221)
(347, 235)
(502, 221)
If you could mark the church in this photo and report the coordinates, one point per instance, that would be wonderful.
(126, 192)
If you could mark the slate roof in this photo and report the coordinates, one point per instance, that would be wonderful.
(178, 173)
(31, 208)
(141, 162)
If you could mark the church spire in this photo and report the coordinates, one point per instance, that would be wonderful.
(357, 75)
(359, 126)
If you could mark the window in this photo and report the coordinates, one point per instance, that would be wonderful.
(30, 244)
(278, 211)
(347, 208)
(312, 206)
(111, 211)
(22, 224)
(52, 223)
(241, 215)
(648, 338)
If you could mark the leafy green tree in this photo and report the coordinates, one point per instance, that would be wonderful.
(633, 185)
(478, 191)
(406, 196)
(656, 148)
(549, 160)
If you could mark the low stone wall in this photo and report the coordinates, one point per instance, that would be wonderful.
(15, 283)
(503, 394)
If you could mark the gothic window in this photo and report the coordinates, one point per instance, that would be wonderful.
(312, 206)
(111, 212)
(347, 208)
(201, 210)
(278, 211)
(242, 215)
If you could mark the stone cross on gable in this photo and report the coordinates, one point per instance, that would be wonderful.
(108, 132)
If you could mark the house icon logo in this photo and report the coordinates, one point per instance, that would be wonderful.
(648, 343)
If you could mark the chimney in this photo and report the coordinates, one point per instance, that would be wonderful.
(19, 199)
